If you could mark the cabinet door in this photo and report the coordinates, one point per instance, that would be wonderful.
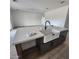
(55, 42)
(45, 47)
(63, 34)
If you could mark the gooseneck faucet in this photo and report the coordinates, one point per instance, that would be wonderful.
(46, 24)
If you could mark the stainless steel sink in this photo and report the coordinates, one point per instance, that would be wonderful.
(29, 34)
(32, 34)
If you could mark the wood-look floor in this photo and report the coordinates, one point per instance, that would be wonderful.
(60, 52)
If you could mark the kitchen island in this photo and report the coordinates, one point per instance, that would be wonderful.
(21, 37)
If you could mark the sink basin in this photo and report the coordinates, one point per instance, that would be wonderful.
(50, 35)
(29, 34)
(47, 32)
(32, 34)
(55, 31)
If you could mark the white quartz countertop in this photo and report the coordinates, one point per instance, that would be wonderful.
(21, 35)
(60, 28)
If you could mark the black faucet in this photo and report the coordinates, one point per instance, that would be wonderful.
(46, 23)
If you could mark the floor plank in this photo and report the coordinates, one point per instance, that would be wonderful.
(60, 52)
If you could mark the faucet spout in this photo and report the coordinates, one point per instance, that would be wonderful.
(46, 24)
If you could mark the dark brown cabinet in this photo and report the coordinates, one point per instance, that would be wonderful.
(44, 47)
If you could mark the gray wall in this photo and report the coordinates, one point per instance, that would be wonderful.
(58, 16)
(23, 18)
